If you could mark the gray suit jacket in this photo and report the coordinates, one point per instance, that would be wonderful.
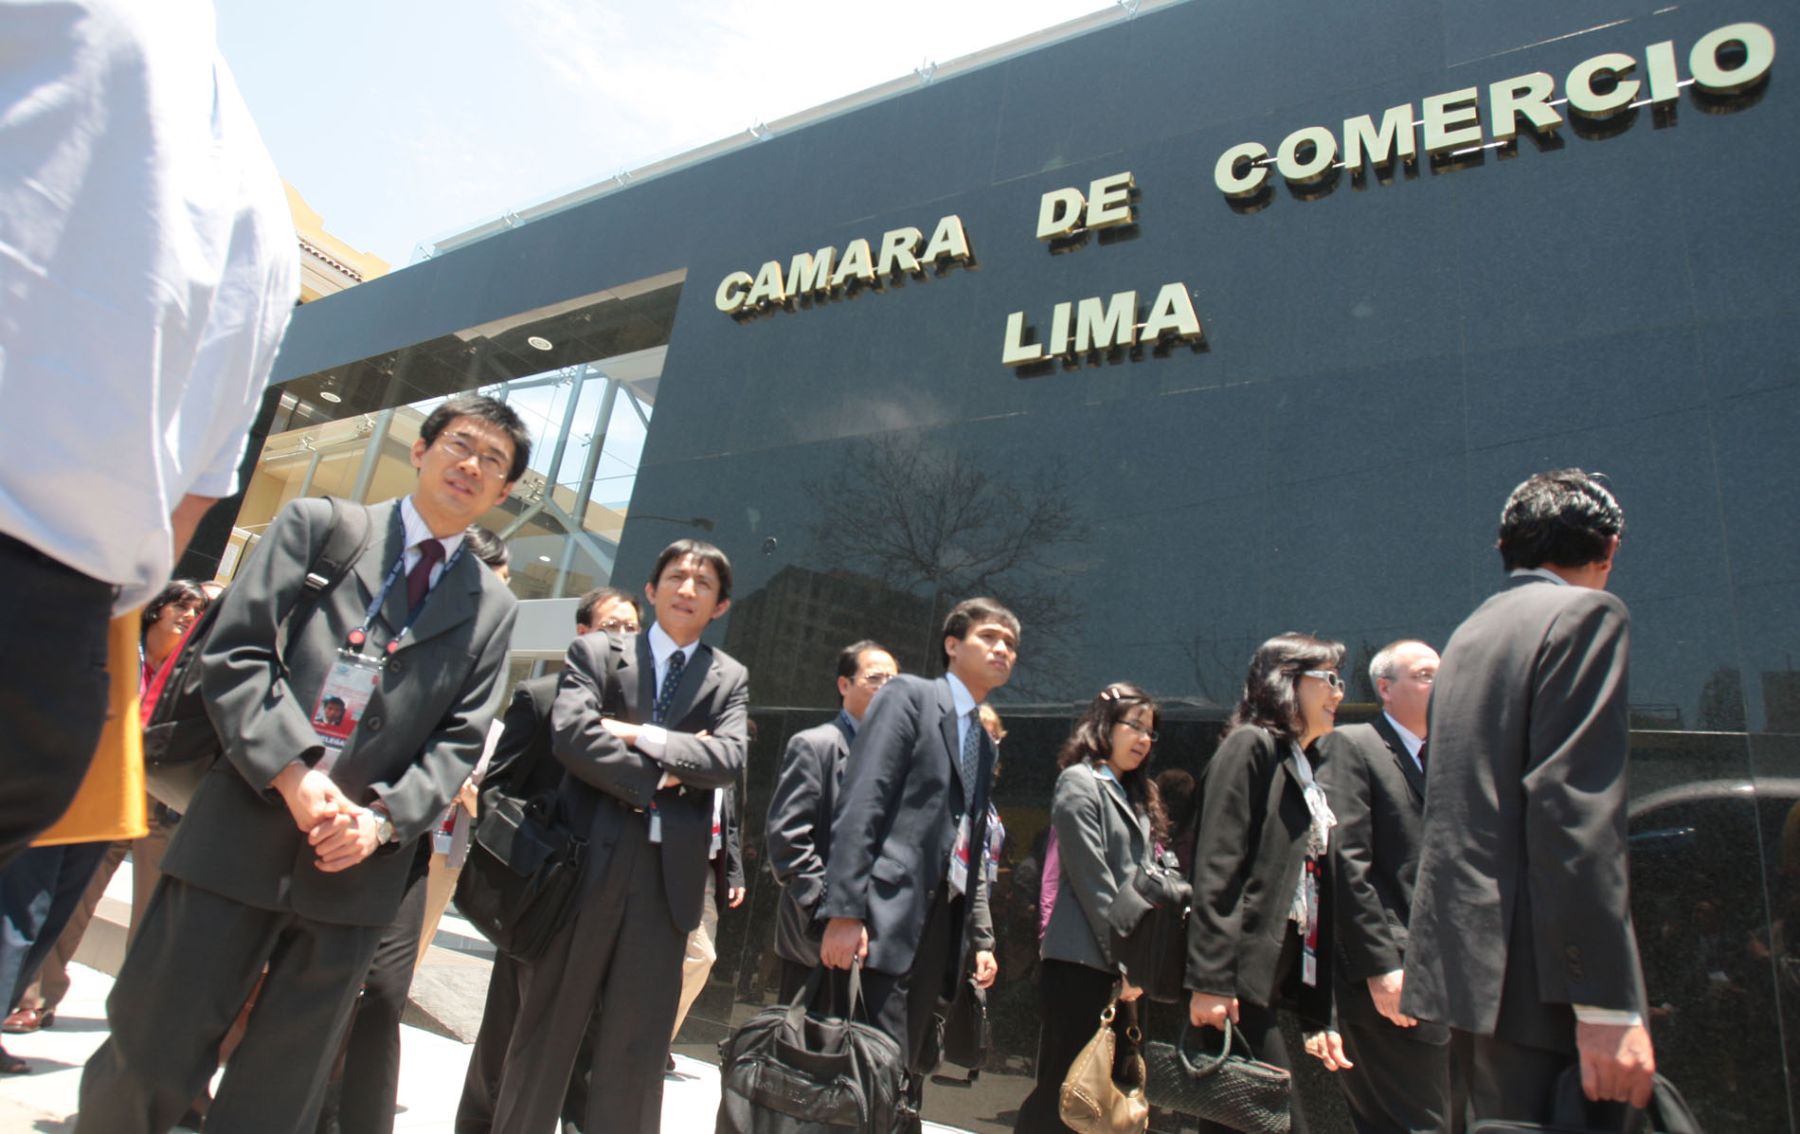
(1100, 841)
(418, 739)
(897, 815)
(609, 784)
(798, 832)
(1522, 906)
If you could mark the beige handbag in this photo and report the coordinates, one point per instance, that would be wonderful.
(1091, 1100)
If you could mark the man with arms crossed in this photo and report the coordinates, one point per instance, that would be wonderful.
(915, 789)
(799, 824)
(1398, 1078)
(296, 849)
(1521, 936)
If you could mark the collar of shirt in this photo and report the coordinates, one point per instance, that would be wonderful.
(848, 721)
(416, 532)
(1539, 572)
(962, 703)
(1413, 743)
(662, 647)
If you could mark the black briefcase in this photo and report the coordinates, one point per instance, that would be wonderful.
(1572, 1113)
(789, 1071)
(522, 875)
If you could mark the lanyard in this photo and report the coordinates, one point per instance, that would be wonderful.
(361, 634)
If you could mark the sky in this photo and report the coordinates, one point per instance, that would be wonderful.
(403, 121)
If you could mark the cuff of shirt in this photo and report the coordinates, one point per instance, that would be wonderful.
(1611, 1017)
(651, 740)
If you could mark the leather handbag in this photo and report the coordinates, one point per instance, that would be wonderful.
(519, 883)
(790, 1071)
(1229, 1088)
(967, 1039)
(1148, 917)
(1572, 1113)
(1103, 1093)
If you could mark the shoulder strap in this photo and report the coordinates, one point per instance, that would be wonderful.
(346, 537)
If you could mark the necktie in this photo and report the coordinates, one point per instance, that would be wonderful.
(418, 580)
(677, 662)
(1423, 748)
(971, 755)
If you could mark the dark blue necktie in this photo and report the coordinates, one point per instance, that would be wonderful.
(660, 713)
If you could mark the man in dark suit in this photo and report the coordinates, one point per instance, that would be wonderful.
(1521, 936)
(294, 851)
(1374, 774)
(915, 796)
(799, 824)
(643, 794)
(524, 768)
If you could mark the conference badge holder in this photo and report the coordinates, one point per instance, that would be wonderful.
(343, 699)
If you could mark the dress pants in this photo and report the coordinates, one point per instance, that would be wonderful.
(701, 954)
(39, 893)
(1400, 1083)
(1071, 998)
(182, 985)
(53, 688)
(904, 1004)
(1514, 1081)
(617, 963)
(487, 1059)
(362, 1102)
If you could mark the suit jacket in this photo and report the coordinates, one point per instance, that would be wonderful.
(609, 783)
(898, 811)
(798, 833)
(1247, 863)
(420, 736)
(1522, 883)
(1377, 792)
(1100, 842)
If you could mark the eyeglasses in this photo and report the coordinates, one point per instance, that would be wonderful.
(1328, 676)
(875, 680)
(618, 626)
(461, 447)
(1143, 730)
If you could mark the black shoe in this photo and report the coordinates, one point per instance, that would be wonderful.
(670, 1069)
(12, 1065)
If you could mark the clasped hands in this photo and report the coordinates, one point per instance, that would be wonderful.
(342, 832)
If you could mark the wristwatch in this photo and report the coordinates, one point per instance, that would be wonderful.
(384, 829)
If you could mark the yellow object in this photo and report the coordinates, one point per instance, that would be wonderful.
(110, 803)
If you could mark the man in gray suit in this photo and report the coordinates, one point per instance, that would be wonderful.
(915, 797)
(296, 848)
(1521, 922)
(647, 732)
(1399, 1073)
(799, 824)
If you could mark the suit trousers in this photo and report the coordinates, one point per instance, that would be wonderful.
(1400, 1084)
(182, 985)
(903, 1004)
(52, 688)
(1510, 1081)
(362, 1102)
(617, 964)
(702, 953)
(1071, 997)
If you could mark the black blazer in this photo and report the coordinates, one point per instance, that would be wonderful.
(1522, 906)
(609, 784)
(1247, 863)
(1377, 792)
(798, 833)
(897, 815)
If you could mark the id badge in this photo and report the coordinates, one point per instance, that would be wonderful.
(343, 699)
(1309, 958)
(959, 860)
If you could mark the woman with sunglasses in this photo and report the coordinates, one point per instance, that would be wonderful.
(1106, 814)
(1257, 935)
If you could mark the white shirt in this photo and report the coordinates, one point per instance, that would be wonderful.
(1540, 573)
(653, 739)
(148, 264)
(413, 526)
(1413, 743)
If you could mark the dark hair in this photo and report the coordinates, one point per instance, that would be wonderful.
(333, 699)
(1092, 740)
(487, 546)
(1563, 517)
(177, 591)
(1180, 796)
(591, 602)
(850, 657)
(970, 613)
(482, 408)
(701, 550)
(1270, 698)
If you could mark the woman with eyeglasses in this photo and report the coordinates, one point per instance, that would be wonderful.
(1107, 815)
(1257, 936)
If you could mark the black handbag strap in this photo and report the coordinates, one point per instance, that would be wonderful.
(1209, 1064)
(798, 1005)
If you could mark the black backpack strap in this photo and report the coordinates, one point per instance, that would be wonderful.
(346, 537)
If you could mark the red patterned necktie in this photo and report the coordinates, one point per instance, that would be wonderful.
(418, 580)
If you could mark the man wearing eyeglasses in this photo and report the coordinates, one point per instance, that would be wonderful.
(1521, 929)
(296, 849)
(1374, 775)
(799, 824)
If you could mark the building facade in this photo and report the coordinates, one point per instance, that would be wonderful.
(1175, 330)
